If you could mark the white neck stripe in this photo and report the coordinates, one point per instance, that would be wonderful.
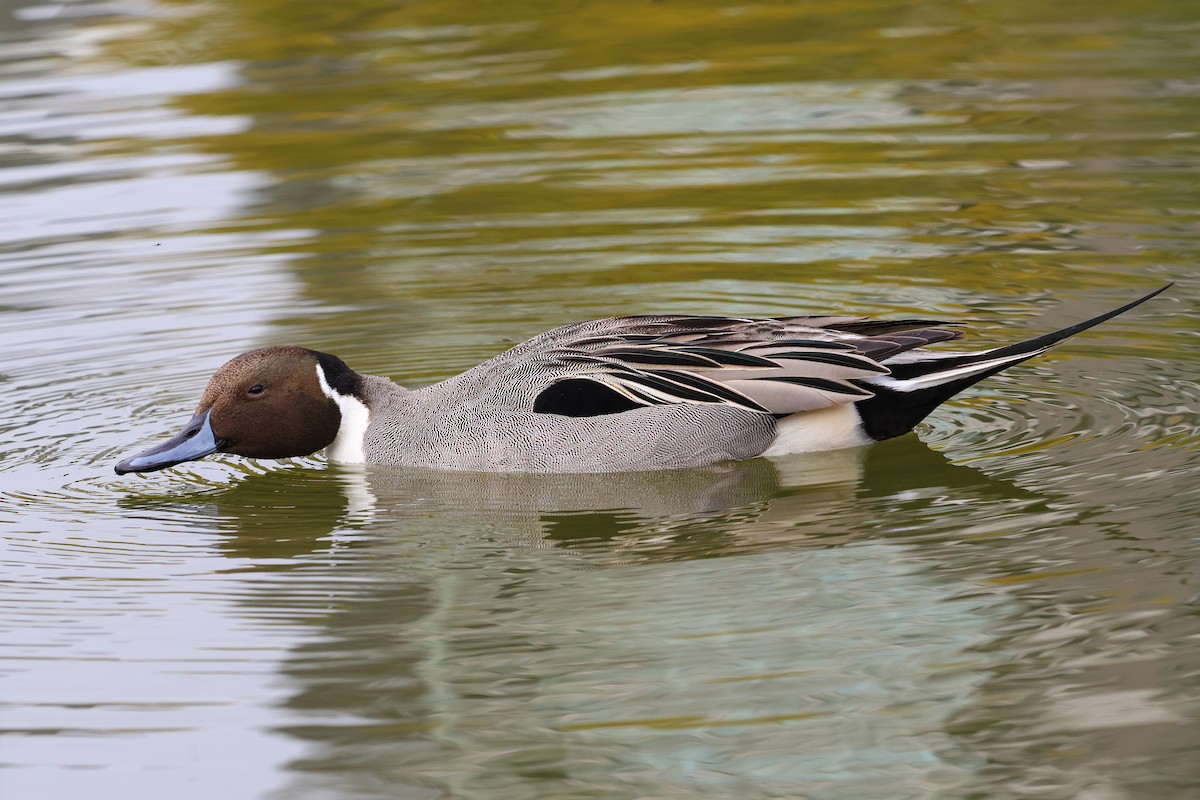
(348, 447)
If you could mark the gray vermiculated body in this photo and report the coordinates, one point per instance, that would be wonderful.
(418, 429)
(483, 420)
(697, 390)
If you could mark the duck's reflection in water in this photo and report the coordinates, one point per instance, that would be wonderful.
(747, 628)
(678, 513)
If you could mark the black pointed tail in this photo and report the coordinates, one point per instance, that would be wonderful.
(919, 385)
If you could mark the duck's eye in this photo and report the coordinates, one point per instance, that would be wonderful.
(255, 389)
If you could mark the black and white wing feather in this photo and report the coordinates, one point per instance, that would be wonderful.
(774, 366)
(777, 366)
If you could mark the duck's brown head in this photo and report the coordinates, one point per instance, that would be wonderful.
(271, 403)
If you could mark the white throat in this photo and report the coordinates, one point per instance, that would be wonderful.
(347, 447)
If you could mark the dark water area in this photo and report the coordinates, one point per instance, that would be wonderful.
(1003, 605)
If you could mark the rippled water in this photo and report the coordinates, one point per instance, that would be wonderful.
(1003, 607)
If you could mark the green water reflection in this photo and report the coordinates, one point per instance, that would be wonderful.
(1004, 607)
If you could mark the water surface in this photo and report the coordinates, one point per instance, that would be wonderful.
(1002, 606)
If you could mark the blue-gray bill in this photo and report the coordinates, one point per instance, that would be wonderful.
(196, 440)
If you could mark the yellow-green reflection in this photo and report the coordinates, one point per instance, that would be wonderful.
(1002, 609)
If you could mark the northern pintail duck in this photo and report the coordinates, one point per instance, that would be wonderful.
(610, 395)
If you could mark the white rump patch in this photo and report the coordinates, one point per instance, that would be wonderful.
(832, 428)
(347, 447)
